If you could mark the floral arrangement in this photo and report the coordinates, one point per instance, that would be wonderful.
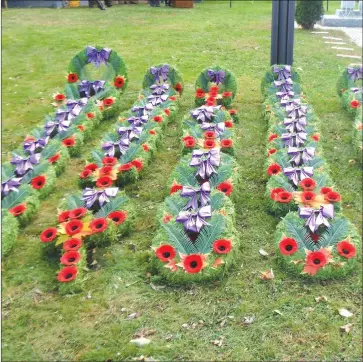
(45, 152)
(197, 237)
(101, 213)
(350, 89)
(313, 239)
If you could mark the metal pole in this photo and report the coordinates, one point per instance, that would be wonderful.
(230, 3)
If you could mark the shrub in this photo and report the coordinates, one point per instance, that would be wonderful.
(308, 12)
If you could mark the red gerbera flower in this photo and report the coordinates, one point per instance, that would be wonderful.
(67, 274)
(126, 167)
(333, 196)
(38, 182)
(70, 257)
(63, 216)
(200, 93)
(227, 94)
(18, 210)
(189, 142)
(172, 98)
(48, 235)
(81, 127)
(308, 196)
(54, 158)
(178, 87)
(228, 124)
(355, 103)
(222, 246)
(209, 134)
(72, 244)
(271, 152)
(85, 173)
(226, 143)
(316, 260)
(288, 246)
(91, 167)
(167, 218)
(316, 137)
(69, 142)
(106, 170)
(118, 217)
(308, 184)
(211, 99)
(167, 112)
(214, 88)
(59, 97)
(77, 213)
(72, 77)
(108, 102)
(274, 169)
(73, 227)
(138, 164)
(272, 136)
(104, 181)
(109, 161)
(119, 82)
(325, 190)
(98, 225)
(193, 263)
(165, 253)
(275, 192)
(152, 132)
(90, 115)
(175, 188)
(208, 143)
(284, 197)
(346, 249)
(232, 112)
(146, 148)
(29, 138)
(225, 187)
(158, 119)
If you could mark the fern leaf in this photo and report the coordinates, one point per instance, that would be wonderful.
(113, 205)
(175, 204)
(178, 238)
(74, 201)
(15, 198)
(337, 231)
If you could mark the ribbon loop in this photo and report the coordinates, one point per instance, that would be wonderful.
(23, 165)
(97, 57)
(194, 220)
(301, 155)
(206, 161)
(284, 85)
(216, 76)
(198, 196)
(10, 185)
(294, 139)
(160, 73)
(88, 89)
(159, 89)
(355, 73)
(295, 124)
(218, 128)
(282, 73)
(315, 218)
(297, 174)
(35, 146)
(91, 196)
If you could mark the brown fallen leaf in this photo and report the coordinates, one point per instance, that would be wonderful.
(248, 320)
(346, 328)
(140, 342)
(133, 316)
(218, 342)
(267, 275)
(145, 333)
(321, 298)
(345, 313)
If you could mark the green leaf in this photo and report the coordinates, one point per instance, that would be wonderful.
(15, 198)
(298, 231)
(337, 231)
(178, 238)
(113, 205)
(7, 171)
(51, 150)
(97, 156)
(217, 201)
(37, 171)
(74, 201)
(175, 204)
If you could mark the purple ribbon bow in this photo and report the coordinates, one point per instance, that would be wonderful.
(216, 76)
(284, 85)
(97, 57)
(160, 73)
(357, 90)
(155, 100)
(138, 121)
(142, 110)
(129, 133)
(158, 89)
(90, 196)
(194, 220)
(198, 196)
(10, 185)
(282, 73)
(111, 148)
(301, 156)
(295, 110)
(218, 128)
(23, 165)
(294, 139)
(88, 89)
(297, 174)
(35, 146)
(295, 124)
(205, 161)
(315, 218)
(355, 73)
(75, 106)
(285, 95)
(58, 126)
(203, 113)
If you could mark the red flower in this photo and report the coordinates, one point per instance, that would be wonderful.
(77, 213)
(38, 182)
(355, 103)
(271, 152)
(165, 253)
(158, 119)
(138, 164)
(152, 132)
(91, 167)
(81, 128)
(314, 237)
(167, 218)
(227, 94)
(284, 197)
(59, 97)
(178, 87)
(225, 187)
(228, 124)
(119, 82)
(308, 196)
(208, 143)
(118, 217)
(98, 225)
(175, 188)
(69, 142)
(29, 138)
(70, 257)
(18, 210)
(200, 93)
(209, 134)
(72, 244)
(272, 136)
(85, 173)
(274, 169)
(316, 137)
(288, 246)
(333, 196)
(211, 100)
(232, 112)
(189, 142)
(106, 170)
(274, 193)
(109, 161)
(222, 246)
(101, 108)
(172, 98)
(73, 227)
(54, 158)
(63, 216)
(346, 249)
(167, 112)
(108, 102)
(67, 274)
(104, 181)
(146, 148)
(72, 77)
(214, 88)
(90, 115)
(48, 235)
(126, 167)
(193, 263)
(325, 190)
(308, 184)
(316, 260)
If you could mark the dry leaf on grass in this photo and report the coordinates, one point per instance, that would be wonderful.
(157, 287)
(218, 342)
(263, 252)
(133, 316)
(347, 328)
(267, 275)
(140, 342)
(145, 333)
(345, 313)
(248, 320)
(321, 298)
(277, 312)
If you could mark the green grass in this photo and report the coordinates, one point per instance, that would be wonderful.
(37, 45)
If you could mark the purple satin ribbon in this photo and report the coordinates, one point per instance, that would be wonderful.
(130, 133)
(194, 220)
(160, 73)
(155, 100)
(138, 121)
(355, 73)
(199, 196)
(203, 114)
(284, 85)
(315, 218)
(294, 139)
(142, 110)
(158, 89)
(356, 90)
(216, 76)
(206, 162)
(97, 57)
(10, 185)
(282, 73)
(295, 109)
(90, 196)
(88, 89)
(75, 106)
(111, 148)
(218, 128)
(285, 95)
(295, 124)
(23, 165)
(297, 174)
(301, 155)
(35, 146)
(58, 126)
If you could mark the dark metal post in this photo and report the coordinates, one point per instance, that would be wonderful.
(282, 31)
(230, 3)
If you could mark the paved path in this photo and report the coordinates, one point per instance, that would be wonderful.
(354, 33)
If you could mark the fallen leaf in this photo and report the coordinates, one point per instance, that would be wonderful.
(140, 342)
(89, 295)
(218, 342)
(347, 328)
(267, 275)
(145, 333)
(345, 313)
(185, 325)
(263, 252)
(132, 316)
(169, 337)
(321, 298)
(248, 320)
(157, 287)
(277, 312)
(352, 162)
(38, 291)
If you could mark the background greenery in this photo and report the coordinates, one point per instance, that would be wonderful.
(38, 324)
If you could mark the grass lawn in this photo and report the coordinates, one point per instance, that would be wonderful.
(37, 46)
